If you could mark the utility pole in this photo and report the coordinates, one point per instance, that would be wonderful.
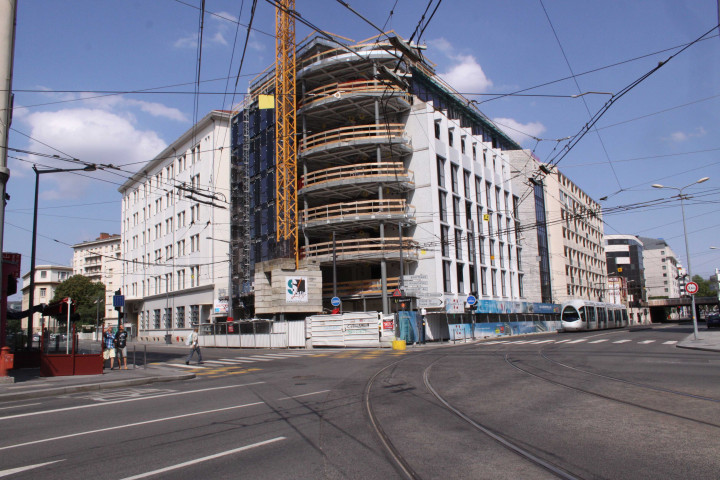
(8, 11)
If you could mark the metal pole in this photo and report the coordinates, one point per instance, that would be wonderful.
(687, 254)
(8, 11)
(334, 267)
(31, 293)
(67, 342)
(145, 356)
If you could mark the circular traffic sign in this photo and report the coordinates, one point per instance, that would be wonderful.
(691, 288)
(471, 300)
(335, 301)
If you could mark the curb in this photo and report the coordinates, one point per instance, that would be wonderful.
(93, 387)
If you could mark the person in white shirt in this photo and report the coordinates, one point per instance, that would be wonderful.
(192, 340)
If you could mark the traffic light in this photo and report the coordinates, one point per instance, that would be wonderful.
(11, 284)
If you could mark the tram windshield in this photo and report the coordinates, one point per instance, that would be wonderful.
(570, 314)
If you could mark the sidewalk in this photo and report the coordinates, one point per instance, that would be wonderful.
(29, 384)
(707, 340)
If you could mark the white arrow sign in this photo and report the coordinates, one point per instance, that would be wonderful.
(430, 302)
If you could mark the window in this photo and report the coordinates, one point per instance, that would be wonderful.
(195, 243)
(460, 278)
(437, 130)
(441, 171)
(474, 151)
(156, 319)
(195, 276)
(483, 283)
(447, 286)
(502, 283)
(454, 177)
(181, 279)
(43, 292)
(167, 318)
(462, 146)
(450, 140)
(493, 281)
(443, 206)
(444, 240)
(43, 274)
(180, 317)
(456, 210)
(194, 314)
(458, 245)
(466, 184)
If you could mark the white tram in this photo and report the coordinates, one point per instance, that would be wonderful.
(586, 315)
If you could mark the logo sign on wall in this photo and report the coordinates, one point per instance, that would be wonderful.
(296, 290)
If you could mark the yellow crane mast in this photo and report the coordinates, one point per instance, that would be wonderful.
(285, 130)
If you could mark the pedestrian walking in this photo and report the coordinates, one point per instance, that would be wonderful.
(109, 343)
(121, 347)
(192, 340)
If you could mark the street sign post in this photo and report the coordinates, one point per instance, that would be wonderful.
(430, 302)
(335, 301)
(692, 288)
(471, 300)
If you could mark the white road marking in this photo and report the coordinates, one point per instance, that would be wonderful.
(236, 361)
(579, 340)
(563, 341)
(644, 342)
(44, 412)
(303, 395)
(599, 341)
(12, 471)
(220, 362)
(543, 341)
(256, 358)
(204, 459)
(182, 365)
(175, 417)
(269, 355)
(670, 342)
(622, 341)
(19, 406)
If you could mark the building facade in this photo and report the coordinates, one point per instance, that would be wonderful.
(662, 277)
(101, 261)
(403, 190)
(47, 278)
(625, 259)
(561, 234)
(175, 233)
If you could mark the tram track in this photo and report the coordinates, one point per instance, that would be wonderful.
(545, 377)
(402, 464)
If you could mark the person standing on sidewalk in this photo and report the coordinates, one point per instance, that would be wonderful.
(192, 340)
(109, 342)
(121, 347)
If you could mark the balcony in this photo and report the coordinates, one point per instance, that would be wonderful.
(356, 214)
(337, 102)
(350, 181)
(362, 288)
(337, 62)
(356, 141)
(360, 249)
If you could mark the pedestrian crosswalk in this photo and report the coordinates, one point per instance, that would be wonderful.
(589, 340)
(255, 360)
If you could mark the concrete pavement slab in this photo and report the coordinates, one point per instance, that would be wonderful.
(706, 340)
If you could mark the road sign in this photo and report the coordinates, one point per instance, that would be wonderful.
(691, 288)
(118, 301)
(335, 301)
(397, 293)
(430, 302)
(471, 300)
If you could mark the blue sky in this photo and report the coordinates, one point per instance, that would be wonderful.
(665, 130)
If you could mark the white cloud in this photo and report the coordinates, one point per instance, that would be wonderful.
(116, 102)
(91, 135)
(218, 26)
(520, 132)
(465, 73)
(679, 137)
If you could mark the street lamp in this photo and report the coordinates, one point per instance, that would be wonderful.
(687, 249)
(31, 293)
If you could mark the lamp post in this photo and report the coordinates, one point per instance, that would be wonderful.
(31, 293)
(687, 248)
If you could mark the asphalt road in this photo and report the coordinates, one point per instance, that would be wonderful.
(615, 404)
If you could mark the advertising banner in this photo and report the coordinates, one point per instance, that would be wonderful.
(296, 290)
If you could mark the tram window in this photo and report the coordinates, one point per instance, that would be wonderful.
(589, 314)
(570, 314)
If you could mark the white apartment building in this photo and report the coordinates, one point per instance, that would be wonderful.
(175, 233)
(575, 240)
(661, 269)
(47, 278)
(101, 261)
(563, 252)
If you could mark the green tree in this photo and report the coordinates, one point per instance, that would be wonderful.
(705, 288)
(84, 293)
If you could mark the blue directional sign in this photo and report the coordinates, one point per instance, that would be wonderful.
(118, 300)
(335, 301)
(471, 300)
